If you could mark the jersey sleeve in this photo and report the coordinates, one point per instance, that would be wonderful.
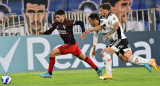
(81, 23)
(114, 18)
(52, 28)
(71, 22)
(95, 38)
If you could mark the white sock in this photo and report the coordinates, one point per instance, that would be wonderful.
(139, 60)
(107, 63)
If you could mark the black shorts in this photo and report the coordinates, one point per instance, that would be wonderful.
(120, 46)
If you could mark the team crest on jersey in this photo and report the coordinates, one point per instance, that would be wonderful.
(64, 26)
(114, 18)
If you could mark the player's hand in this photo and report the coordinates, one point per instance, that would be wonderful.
(93, 53)
(40, 33)
(104, 38)
(82, 36)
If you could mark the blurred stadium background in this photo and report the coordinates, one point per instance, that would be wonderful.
(24, 54)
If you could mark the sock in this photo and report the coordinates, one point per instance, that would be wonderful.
(138, 60)
(107, 63)
(90, 62)
(51, 64)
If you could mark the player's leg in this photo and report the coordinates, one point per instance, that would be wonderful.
(139, 60)
(125, 60)
(106, 56)
(52, 60)
(124, 48)
(90, 62)
(122, 57)
(53, 53)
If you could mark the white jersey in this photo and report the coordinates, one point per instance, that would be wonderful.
(108, 22)
(119, 43)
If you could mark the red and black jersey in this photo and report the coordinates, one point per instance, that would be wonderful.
(65, 30)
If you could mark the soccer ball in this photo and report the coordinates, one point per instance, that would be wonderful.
(6, 79)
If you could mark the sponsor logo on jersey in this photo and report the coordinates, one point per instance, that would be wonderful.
(62, 31)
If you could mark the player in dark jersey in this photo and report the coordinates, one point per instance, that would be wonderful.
(65, 28)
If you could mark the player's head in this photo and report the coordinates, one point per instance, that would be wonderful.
(105, 9)
(60, 15)
(36, 13)
(120, 7)
(94, 19)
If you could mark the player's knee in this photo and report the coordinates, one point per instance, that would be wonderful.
(124, 60)
(51, 54)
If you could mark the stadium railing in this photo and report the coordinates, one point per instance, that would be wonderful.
(136, 20)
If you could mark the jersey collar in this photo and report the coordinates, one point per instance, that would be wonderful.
(108, 14)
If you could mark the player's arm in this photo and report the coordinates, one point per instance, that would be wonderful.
(95, 39)
(115, 27)
(54, 25)
(99, 27)
(81, 23)
(47, 32)
(115, 23)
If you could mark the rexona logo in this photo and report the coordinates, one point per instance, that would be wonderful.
(5, 61)
(69, 61)
(86, 47)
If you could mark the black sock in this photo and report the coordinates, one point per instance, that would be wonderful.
(96, 69)
(50, 73)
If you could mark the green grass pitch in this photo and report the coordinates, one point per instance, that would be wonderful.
(130, 76)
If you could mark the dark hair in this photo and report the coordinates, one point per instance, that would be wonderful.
(5, 9)
(106, 6)
(39, 2)
(60, 12)
(112, 2)
(94, 16)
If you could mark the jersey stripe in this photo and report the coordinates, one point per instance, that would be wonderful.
(119, 33)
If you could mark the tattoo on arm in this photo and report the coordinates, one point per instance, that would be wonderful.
(111, 32)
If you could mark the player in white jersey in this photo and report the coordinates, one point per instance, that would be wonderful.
(95, 21)
(111, 29)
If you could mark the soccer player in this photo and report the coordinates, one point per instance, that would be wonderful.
(65, 28)
(95, 21)
(111, 29)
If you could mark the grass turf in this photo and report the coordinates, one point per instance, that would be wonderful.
(130, 76)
